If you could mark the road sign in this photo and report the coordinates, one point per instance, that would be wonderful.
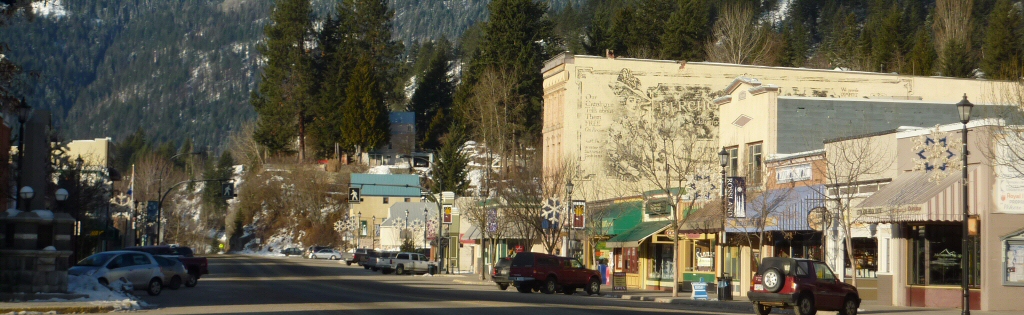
(447, 218)
(354, 195)
(228, 190)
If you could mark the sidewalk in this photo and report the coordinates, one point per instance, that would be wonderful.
(739, 304)
(62, 307)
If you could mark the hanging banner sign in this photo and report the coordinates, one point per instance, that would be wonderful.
(736, 201)
(492, 220)
(579, 208)
(447, 218)
(152, 209)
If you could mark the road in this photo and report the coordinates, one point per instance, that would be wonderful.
(271, 285)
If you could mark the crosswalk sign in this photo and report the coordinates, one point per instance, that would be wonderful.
(353, 195)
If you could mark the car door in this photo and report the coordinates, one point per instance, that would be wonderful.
(580, 275)
(827, 289)
(142, 270)
(118, 268)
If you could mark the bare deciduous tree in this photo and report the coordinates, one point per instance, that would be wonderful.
(952, 23)
(738, 37)
(764, 206)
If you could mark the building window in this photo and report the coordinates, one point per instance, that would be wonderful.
(734, 161)
(407, 199)
(935, 255)
(362, 228)
(754, 164)
(865, 255)
(386, 200)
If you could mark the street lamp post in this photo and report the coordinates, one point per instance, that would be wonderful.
(406, 225)
(723, 160)
(359, 228)
(569, 248)
(373, 235)
(26, 194)
(23, 111)
(424, 228)
(964, 108)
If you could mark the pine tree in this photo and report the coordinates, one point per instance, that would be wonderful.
(449, 171)
(433, 96)
(372, 28)
(1003, 44)
(335, 67)
(956, 60)
(922, 55)
(283, 97)
(687, 31)
(365, 124)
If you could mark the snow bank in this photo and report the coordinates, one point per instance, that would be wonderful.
(99, 294)
(383, 169)
(13, 212)
(49, 8)
(45, 214)
(273, 246)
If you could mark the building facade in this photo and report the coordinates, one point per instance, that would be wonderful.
(378, 193)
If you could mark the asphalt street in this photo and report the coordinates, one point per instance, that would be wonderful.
(271, 285)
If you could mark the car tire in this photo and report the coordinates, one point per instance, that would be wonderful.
(374, 269)
(522, 288)
(550, 286)
(773, 280)
(400, 270)
(192, 281)
(805, 305)
(761, 309)
(503, 286)
(348, 263)
(367, 267)
(155, 286)
(568, 290)
(312, 256)
(849, 307)
(334, 257)
(594, 287)
(175, 283)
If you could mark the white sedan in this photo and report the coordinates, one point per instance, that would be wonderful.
(326, 254)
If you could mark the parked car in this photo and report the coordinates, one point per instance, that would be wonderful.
(410, 263)
(499, 274)
(328, 253)
(355, 255)
(196, 266)
(366, 259)
(550, 274)
(805, 285)
(174, 271)
(136, 268)
(313, 249)
(292, 251)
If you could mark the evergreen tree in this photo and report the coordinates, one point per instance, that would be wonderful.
(284, 94)
(433, 96)
(365, 124)
(687, 31)
(335, 67)
(1003, 44)
(449, 170)
(956, 60)
(795, 45)
(128, 150)
(922, 55)
(512, 42)
(372, 28)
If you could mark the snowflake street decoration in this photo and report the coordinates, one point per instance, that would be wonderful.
(345, 225)
(702, 186)
(551, 213)
(935, 154)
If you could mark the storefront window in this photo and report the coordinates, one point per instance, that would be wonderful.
(663, 266)
(732, 261)
(865, 256)
(936, 255)
(626, 260)
(704, 256)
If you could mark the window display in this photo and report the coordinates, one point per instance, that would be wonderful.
(865, 256)
(936, 255)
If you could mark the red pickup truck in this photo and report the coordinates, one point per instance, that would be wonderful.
(196, 266)
(550, 274)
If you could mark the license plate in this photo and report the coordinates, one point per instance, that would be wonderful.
(517, 278)
(758, 287)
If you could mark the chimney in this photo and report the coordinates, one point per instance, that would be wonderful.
(610, 54)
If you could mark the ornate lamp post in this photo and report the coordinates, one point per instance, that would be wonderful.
(964, 108)
(569, 248)
(26, 193)
(723, 160)
(424, 228)
(406, 225)
(373, 236)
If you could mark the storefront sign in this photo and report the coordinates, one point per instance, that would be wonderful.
(736, 188)
(794, 173)
(1009, 195)
(705, 259)
(579, 208)
(619, 281)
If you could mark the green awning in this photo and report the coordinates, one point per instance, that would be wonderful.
(642, 231)
(622, 217)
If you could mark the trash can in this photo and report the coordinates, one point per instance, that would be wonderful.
(432, 269)
(725, 288)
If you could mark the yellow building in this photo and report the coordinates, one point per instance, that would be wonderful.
(96, 153)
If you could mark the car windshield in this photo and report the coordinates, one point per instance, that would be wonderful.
(96, 260)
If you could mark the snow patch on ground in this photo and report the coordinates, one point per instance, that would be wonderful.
(49, 8)
(273, 246)
(99, 294)
(383, 169)
(45, 214)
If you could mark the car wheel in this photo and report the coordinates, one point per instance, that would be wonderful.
(805, 305)
(522, 288)
(192, 281)
(400, 270)
(104, 282)
(849, 307)
(334, 257)
(773, 279)
(761, 309)
(594, 287)
(348, 263)
(175, 283)
(550, 286)
(503, 286)
(568, 290)
(374, 269)
(312, 256)
(155, 286)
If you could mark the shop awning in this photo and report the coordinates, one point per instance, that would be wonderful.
(621, 217)
(913, 197)
(633, 237)
(786, 208)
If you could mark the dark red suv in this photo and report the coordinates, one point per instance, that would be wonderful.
(550, 274)
(804, 285)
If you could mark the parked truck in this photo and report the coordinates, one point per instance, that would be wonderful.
(409, 263)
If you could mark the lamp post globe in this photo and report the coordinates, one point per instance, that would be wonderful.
(61, 194)
(27, 192)
(964, 109)
(723, 157)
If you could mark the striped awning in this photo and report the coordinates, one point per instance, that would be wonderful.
(912, 197)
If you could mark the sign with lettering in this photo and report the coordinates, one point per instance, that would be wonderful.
(736, 201)
(700, 290)
(793, 173)
(618, 281)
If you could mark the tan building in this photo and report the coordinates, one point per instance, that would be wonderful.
(378, 194)
(97, 152)
(584, 94)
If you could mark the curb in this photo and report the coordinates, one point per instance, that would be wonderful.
(60, 309)
(472, 282)
(725, 306)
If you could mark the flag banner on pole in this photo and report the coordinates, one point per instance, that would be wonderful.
(579, 209)
(736, 201)
(447, 219)
(492, 220)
